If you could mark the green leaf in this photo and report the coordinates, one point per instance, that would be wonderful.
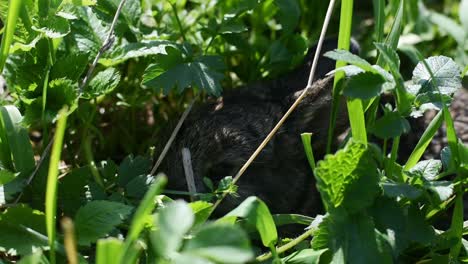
(391, 125)
(401, 190)
(348, 178)
(53, 27)
(429, 169)
(308, 256)
(70, 66)
(97, 218)
(88, 33)
(199, 74)
(348, 57)
(351, 239)
(173, 222)
(442, 189)
(131, 167)
(15, 237)
(403, 226)
(202, 211)
(364, 85)
(72, 190)
(289, 14)
(222, 243)
(5, 177)
(136, 50)
(446, 76)
(257, 214)
(16, 152)
(103, 83)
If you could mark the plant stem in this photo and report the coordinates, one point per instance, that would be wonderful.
(287, 246)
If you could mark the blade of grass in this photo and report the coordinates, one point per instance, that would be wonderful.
(379, 13)
(51, 191)
(424, 141)
(147, 205)
(108, 250)
(16, 150)
(14, 7)
(355, 108)
(306, 141)
(344, 39)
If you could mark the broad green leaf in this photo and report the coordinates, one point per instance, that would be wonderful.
(442, 189)
(103, 83)
(402, 190)
(348, 57)
(6, 176)
(108, 250)
(351, 239)
(348, 178)
(88, 33)
(446, 73)
(308, 256)
(16, 150)
(138, 186)
(135, 50)
(391, 125)
(53, 27)
(364, 86)
(202, 211)
(72, 190)
(223, 243)
(196, 74)
(132, 167)
(18, 225)
(257, 214)
(97, 218)
(173, 222)
(288, 14)
(70, 66)
(403, 226)
(428, 169)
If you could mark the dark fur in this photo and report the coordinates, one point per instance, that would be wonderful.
(222, 135)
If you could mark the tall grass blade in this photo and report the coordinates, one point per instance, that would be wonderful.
(379, 14)
(147, 205)
(52, 179)
(424, 141)
(356, 114)
(306, 141)
(14, 7)
(108, 250)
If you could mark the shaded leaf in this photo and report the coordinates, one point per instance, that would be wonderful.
(97, 218)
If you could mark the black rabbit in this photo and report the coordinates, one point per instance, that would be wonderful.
(223, 134)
